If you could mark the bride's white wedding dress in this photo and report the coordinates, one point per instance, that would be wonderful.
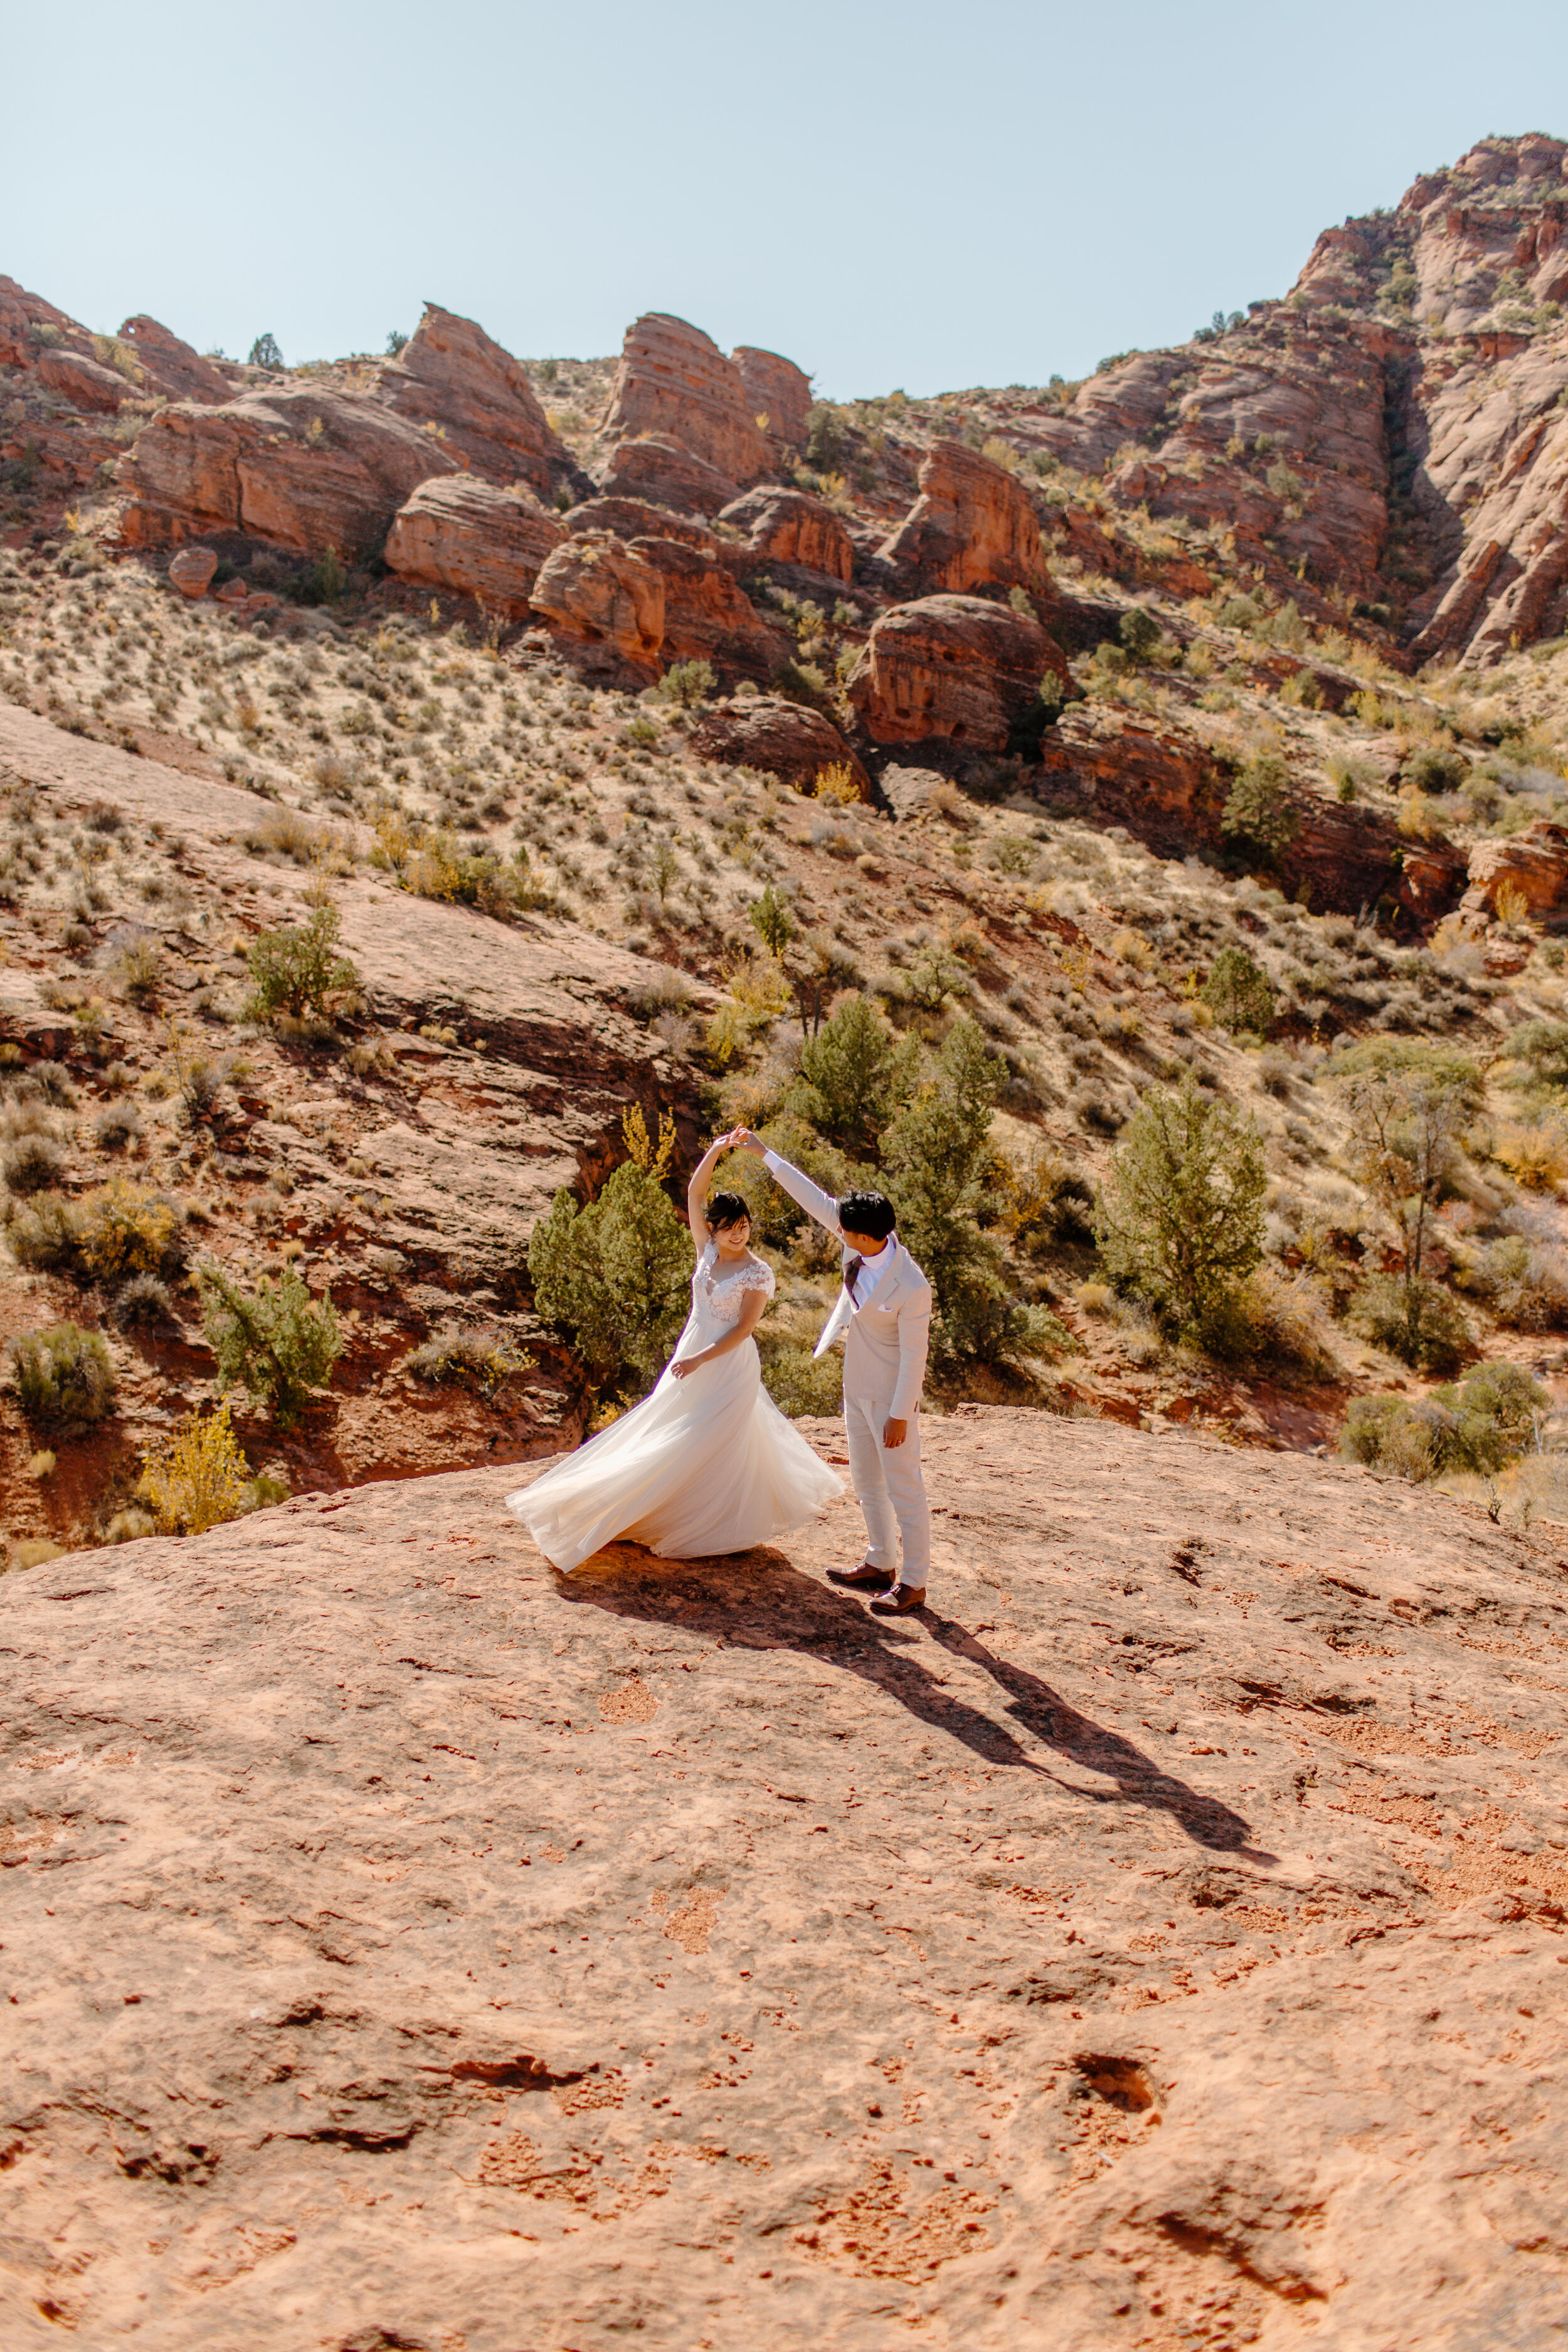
(703, 1464)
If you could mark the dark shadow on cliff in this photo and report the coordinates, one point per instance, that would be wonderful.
(759, 1600)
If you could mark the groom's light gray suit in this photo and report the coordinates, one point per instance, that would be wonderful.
(886, 1337)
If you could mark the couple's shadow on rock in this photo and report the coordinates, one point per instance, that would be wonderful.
(759, 1600)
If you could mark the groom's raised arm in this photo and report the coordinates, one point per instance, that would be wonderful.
(801, 1190)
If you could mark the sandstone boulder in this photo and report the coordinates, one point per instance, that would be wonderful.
(451, 374)
(972, 527)
(789, 527)
(954, 667)
(655, 469)
(597, 591)
(707, 615)
(631, 518)
(1534, 862)
(776, 391)
(302, 468)
(171, 366)
(85, 382)
(673, 379)
(778, 736)
(466, 535)
(190, 570)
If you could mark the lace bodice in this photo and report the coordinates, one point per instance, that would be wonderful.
(716, 1297)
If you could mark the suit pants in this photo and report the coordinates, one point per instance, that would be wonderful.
(889, 1490)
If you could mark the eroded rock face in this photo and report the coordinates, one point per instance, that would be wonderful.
(631, 518)
(600, 593)
(466, 1906)
(791, 526)
(83, 382)
(1534, 862)
(171, 366)
(302, 468)
(972, 526)
(23, 315)
(190, 570)
(476, 539)
(673, 379)
(778, 737)
(450, 373)
(707, 615)
(654, 470)
(778, 390)
(954, 667)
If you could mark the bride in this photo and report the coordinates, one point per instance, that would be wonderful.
(706, 1463)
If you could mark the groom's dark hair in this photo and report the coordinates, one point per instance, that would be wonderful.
(723, 1210)
(866, 1213)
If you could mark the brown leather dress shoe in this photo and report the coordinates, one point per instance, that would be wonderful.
(899, 1601)
(863, 1579)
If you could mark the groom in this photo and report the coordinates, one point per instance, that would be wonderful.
(885, 1309)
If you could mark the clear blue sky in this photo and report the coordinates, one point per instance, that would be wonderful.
(910, 194)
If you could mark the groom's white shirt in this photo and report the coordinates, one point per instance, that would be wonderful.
(886, 1325)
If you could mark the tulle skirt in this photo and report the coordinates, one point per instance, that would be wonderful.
(701, 1465)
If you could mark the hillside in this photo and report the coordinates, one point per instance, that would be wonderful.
(536, 670)
(1158, 1944)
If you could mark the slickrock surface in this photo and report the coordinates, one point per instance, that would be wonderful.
(1158, 1943)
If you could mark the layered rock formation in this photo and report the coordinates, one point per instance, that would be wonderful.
(1157, 1942)
(790, 527)
(972, 526)
(706, 616)
(1533, 865)
(957, 668)
(601, 594)
(473, 539)
(85, 382)
(171, 366)
(302, 468)
(655, 469)
(778, 394)
(777, 737)
(674, 380)
(452, 376)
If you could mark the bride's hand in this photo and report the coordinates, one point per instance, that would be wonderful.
(688, 1364)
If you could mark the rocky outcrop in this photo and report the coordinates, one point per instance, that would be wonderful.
(789, 527)
(300, 468)
(1533, 863)
(958, 667)
(655, 470)
(707, 615)
(190, 570)
(674, 380)
(597, 592)
(546, 1962)
(467, 536)
(451, 377)
(86, 383)
(778, 394)
(775, 736)
(637, 519)
(172, 367)
(972, 526)
(29, 326)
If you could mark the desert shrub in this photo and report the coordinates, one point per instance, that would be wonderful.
(143, 1300)
(937, 1163)
(1476, 1425)
(1420, 1322)
(31, 1162)
(285, 833)
(56, 1084)
(63, 1374)
(1239, 613)
(687, 684)
(479, 1360)
(799, 1383)
(37, 1551)
(139, 970)
(837, 784)
(1271, 1317)
(199, 1477)
(615, 1275)
(853, 1076)
(297, 970)
(276, 1342)
(1258, 807)
(439, 868)
(1240, 993)
(116, 1128)
(123, 1229)
(1432, 771)
(1140, 633)
(43, 1232)
(1543, 1047)
(1181, 1217)
(1534, 1151)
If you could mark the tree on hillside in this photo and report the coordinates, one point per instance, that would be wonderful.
(1181, 1215)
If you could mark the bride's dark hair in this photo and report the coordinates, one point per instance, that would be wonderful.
(723, 1210)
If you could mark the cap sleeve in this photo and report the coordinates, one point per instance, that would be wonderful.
(759, 1278)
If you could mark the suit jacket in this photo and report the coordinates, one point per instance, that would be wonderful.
(886, 1343)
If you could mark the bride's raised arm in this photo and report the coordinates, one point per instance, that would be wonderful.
(697, 1190)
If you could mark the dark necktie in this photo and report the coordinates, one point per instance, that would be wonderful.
(852, 1273)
